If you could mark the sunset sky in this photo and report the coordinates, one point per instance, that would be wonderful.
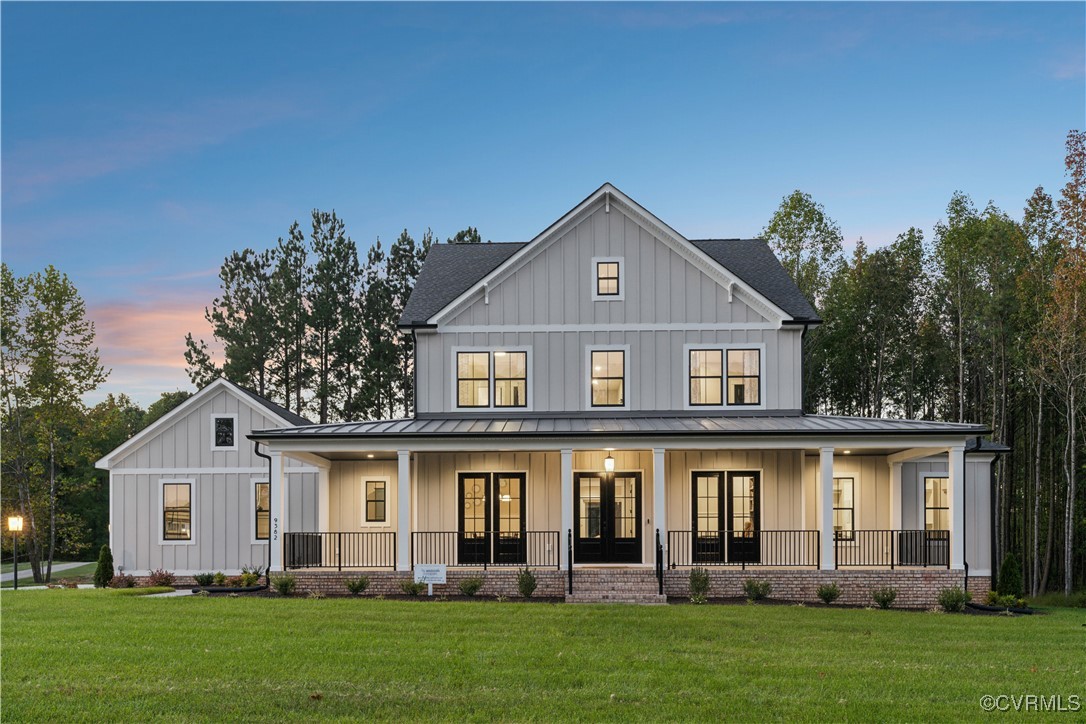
(143, 143)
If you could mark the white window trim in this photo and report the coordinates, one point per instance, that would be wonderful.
(193, 496)
(252, 512)
(454, 397)
(389, 503)
(760, 346)
(219, 415)
(621, 296)
(627, 388)
(922, 509)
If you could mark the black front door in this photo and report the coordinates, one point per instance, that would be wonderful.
(607, 517)
(742, 495)
(709, 517)
(492, 528)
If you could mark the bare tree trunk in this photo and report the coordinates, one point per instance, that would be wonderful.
(1036, 577)
(1051, 528)
(1069, 513)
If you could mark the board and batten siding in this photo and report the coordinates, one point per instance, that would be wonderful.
(223, 513)
(978, 531)
(547, 306)
(871, 489)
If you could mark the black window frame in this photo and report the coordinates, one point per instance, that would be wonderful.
(849, 535)
(257, 511)
(617, 279)
(383, 501)
(593, 377)
(166, 535)
(459, 379)
(728, 377)
(936, 507)
(691, 377)
(216, 445)
(494, 376)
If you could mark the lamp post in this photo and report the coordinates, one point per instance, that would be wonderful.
(15, 525)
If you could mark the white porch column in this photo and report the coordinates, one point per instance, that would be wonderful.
(659, 493)
(403, 510)
(825, 506)
(277, 511)
(956, 454)
(567, 506)
(895, 496)
(323, 503)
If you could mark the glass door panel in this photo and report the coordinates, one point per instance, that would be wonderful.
(474, 519)
(509, 513)
(708, 490)
(743, 539)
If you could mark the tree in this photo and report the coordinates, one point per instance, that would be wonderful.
(103, 573)
(469, 235)
(377, 397)
(404, 262)
(1073, 197)
(288, 290)
(166, 402)
(807, 242)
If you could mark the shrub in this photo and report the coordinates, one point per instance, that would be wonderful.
(526, 583)
(160, 577)
(248, 578)
(284, 585)
(234, 582)
(122, 580)
(1010, 577)
(219, 579)
(203, 579)
(103, 574)
(316, 594)
(829, 592)
(699, 585)
(953, 599)
(357, 585)
(757, 590)
(255, 570)
(884, 596)
(1005, 601)
(411, 588)
(470, 586)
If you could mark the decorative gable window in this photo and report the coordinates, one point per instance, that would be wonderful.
(744, 372)
(224, 432)
(608, 381)
(607, 281)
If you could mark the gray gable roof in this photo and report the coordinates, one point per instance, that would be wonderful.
(448, 271)
(755, 263)
(279, 410)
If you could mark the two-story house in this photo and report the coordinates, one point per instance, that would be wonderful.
(611, 404)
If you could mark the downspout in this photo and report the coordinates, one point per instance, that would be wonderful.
(256, 451)
(965, 516)
(991, 522)
(415, 373)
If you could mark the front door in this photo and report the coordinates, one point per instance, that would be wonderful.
(743, 541)
(492, 528)
(607, 517)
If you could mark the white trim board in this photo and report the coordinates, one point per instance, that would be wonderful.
(206, 471)
(616, 327)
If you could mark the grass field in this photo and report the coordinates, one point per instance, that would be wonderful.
(97, 655)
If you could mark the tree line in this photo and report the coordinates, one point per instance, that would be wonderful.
(985, 321)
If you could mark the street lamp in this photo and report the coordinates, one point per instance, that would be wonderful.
(15, 525)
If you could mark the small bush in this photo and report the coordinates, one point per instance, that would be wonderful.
(234, 581)
(953, 599)
(1005, 601)
(316, 594)
(358, 585)
(122, 580)
(757, 590)
(411, 588)
(103, 574)
(219, 579)
(470, 586)
(248, 578)
(829, 592)
(284, 585)
(1010, 577)
(884, 597)
(203, 579)
(255, 570)
(526, 583)
(160, 577)
(699, 585)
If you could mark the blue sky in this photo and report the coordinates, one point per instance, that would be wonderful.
(141, 143)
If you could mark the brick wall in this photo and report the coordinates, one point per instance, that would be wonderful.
(549, 583)
(979, 587)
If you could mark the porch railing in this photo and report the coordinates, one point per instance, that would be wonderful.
(784, 548)
(367, 549)
(486, 549)
(892, 548)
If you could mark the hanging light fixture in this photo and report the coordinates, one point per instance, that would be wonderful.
(609, 464)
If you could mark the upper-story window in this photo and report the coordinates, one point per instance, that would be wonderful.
(607, 279)
(492, 379)
(744, 373)
(706, 377)
(608, 382)
(224, 432)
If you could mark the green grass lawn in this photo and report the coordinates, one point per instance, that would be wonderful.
(97, 655)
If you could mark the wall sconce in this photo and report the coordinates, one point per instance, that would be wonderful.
(609, 464)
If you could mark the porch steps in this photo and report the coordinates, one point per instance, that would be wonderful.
(618, 585)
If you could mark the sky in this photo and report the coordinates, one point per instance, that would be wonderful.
(141, 143)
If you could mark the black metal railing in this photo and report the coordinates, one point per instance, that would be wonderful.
(485, 549)
(892, 548)
(368, 549)
(784, 548)
(659, 563)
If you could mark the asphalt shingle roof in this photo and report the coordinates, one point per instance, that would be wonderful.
(755, 263)
(279, 410)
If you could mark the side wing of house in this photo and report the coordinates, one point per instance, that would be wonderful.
(672, 299)
(191, 495)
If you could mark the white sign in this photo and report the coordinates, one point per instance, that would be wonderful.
(431, 574)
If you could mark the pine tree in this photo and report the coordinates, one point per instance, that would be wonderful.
(103, 574)
(288, 292)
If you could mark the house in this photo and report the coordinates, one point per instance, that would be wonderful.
(611, 404)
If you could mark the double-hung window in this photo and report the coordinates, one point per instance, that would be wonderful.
(744, 374)
(844, 508)
(376, 501)
(706, 377)
(608, 284)
(492, 379)
(510, 379)
(608, 381)
(177, 511)
(262, 500)
(473, 379)
(936, 504)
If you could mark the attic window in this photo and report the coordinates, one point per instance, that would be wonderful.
(224, 432)
(607, 281)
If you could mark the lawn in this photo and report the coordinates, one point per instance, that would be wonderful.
(96, 655)
(79, 574)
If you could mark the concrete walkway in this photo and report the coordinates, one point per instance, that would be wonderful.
(26, 572)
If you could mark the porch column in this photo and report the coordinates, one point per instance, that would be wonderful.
(403, 510)
(956, 455)
(825, 506)
(895, 496)
(567, 506)
(277, 511)
(659, 499)
(323, 503)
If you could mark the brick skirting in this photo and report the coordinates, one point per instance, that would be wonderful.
(550, 583)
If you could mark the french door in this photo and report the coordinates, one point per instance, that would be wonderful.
(726, 517)
(607, 517)
(491, 518)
